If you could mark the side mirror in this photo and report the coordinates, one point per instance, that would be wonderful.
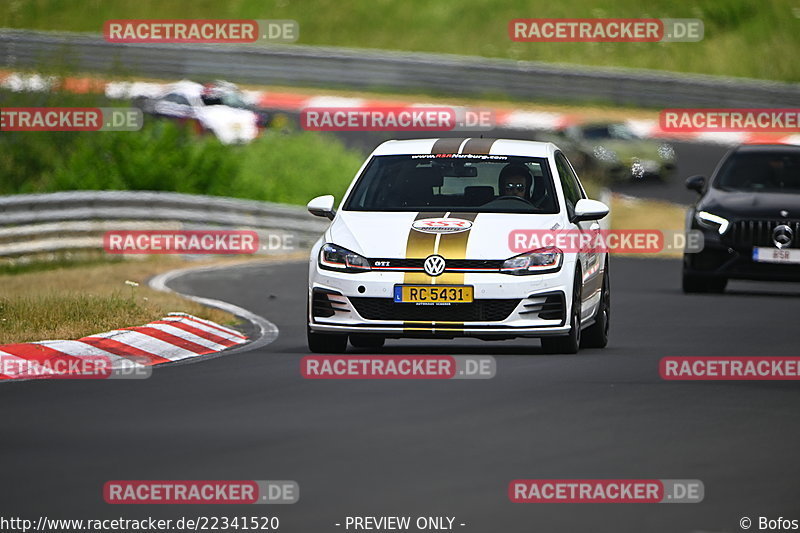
(589, 210)
(696, 183)
(322, 206)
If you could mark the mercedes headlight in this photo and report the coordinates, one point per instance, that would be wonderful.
(332, 257)
(712, 221)
(534, 262)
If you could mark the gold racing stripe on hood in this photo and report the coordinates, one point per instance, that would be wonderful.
(450, 246)
(454, 246)
(419, 246)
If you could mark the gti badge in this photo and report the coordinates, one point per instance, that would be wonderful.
(434, 265)
(782, 236)
(784, 213)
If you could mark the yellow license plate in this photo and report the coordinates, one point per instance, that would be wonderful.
(454, 294)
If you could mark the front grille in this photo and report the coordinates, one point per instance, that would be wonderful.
(746, 233)
(478, 265)
(477, 311)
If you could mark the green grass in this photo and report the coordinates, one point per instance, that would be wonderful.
(750, 38)
(63, 260)
(86, 312)
(167, 156)
(75, 300)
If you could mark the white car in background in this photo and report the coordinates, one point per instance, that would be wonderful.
(419, 248)
(184, 100)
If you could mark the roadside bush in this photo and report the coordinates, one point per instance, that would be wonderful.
(169, 156)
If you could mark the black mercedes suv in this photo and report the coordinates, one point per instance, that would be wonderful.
(749, 213)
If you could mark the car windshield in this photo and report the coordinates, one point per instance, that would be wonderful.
(610, 131)
(230, 99)
(455, 182)
(762, 171)
(233, 99)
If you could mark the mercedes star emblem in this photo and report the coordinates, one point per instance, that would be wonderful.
(782, 236)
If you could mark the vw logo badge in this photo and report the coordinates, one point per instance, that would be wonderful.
(782, 236)
(434, 265)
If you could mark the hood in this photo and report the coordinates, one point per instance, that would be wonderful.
(390, 235)
(750, 205)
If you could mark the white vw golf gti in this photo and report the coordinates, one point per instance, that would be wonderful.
(421, 247)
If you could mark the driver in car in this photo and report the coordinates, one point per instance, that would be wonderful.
(515, 180)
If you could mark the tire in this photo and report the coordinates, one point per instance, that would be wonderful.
(326, 342)
(703, 284)
(596, 335)
(372, 342)
(570, 343)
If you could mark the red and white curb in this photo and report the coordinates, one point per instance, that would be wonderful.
(526, 120)
(176, 337)
(266, 331)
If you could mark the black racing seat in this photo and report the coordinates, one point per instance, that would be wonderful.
(539, 194)
(477, 195)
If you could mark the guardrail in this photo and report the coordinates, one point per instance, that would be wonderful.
(371, 69)
(63, 221)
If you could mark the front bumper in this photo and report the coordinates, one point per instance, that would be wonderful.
(723, 259)
(505, 306)
(421, 332)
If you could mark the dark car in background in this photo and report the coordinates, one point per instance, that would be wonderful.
(749, 213)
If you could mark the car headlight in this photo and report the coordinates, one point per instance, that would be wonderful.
(666, 152)
(534, 262)
(332, 257)
(712, 221)
(602, 153)
(637, 168)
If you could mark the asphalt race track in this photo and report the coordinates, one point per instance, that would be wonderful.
(443, 448)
